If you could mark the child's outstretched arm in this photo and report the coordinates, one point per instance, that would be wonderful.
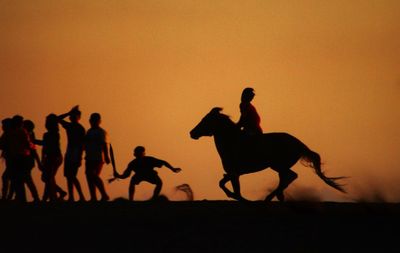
(176, 170)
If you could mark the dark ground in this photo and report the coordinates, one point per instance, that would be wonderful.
(200, 226)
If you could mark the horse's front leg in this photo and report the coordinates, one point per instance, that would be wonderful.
(222, 184)
(236, 187)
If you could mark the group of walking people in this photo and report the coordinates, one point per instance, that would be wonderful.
(18, 145)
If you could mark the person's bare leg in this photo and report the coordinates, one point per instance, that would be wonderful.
(32, 188)
(70, 185)
(45, 196)
(6, 184)
(99, 183)
(90, 181)
(60, 191)
(131, 191)
(78, 189)
(157, 190)
(92, 188)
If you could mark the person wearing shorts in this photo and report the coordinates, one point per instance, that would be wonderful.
(73, 156)
(144, 166)
(96, 148)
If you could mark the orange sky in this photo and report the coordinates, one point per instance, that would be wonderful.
(326, 72)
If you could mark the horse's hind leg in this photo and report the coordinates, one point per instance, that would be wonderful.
(285, 178)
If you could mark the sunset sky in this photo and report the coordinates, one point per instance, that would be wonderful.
(327, 72)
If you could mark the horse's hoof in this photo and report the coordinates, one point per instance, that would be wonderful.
(243, 199)
(236, 197)
(269, 198)
(280, 196)
(231, 195)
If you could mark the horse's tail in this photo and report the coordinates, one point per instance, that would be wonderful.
(313, 160)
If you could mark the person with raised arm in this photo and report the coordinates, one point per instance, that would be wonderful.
(74, 153)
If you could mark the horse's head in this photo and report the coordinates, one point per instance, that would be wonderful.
(210, 124)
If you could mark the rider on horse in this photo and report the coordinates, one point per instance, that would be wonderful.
(249, 121)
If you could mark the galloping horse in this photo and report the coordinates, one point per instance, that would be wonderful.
(247, 154)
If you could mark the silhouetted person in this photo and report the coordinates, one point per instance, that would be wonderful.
(29, 126)
(96, 148)
(29, 164)
(144, 166)
(6, 125)
(51, 160)
(18, 146)
(249, 120)
(73, 155)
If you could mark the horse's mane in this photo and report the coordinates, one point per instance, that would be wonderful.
(228, 121)
(225, 119)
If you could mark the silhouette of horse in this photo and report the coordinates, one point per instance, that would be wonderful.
(247, 154)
